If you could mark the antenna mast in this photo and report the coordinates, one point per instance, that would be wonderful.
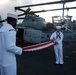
(63, 2)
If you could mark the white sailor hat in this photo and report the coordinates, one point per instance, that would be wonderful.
(12, 16)
(58, 27)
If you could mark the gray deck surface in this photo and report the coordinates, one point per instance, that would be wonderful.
(42, 62)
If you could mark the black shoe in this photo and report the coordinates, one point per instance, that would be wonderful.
(56, 64)
(61, 64)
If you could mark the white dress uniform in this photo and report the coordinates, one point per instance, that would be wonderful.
(58, 37)
(8, 50)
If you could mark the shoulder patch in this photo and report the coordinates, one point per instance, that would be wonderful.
(12, 30)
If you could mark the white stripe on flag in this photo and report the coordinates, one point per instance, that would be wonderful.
(38, 46)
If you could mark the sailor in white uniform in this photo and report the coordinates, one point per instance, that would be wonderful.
(57, 37)
(8, 48)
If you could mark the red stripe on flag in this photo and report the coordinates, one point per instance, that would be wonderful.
(37, 45)
(48, 46)
(41, 46)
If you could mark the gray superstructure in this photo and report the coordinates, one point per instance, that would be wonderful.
(0, 23)
(35, 29)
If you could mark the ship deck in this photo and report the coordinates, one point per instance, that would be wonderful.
(42, 62)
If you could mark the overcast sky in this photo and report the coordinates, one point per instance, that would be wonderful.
(7, 6)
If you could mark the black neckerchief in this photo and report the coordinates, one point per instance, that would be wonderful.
(58, 35)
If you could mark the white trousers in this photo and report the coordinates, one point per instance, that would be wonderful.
(58, 54)
(0, 70)
(8, 70)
